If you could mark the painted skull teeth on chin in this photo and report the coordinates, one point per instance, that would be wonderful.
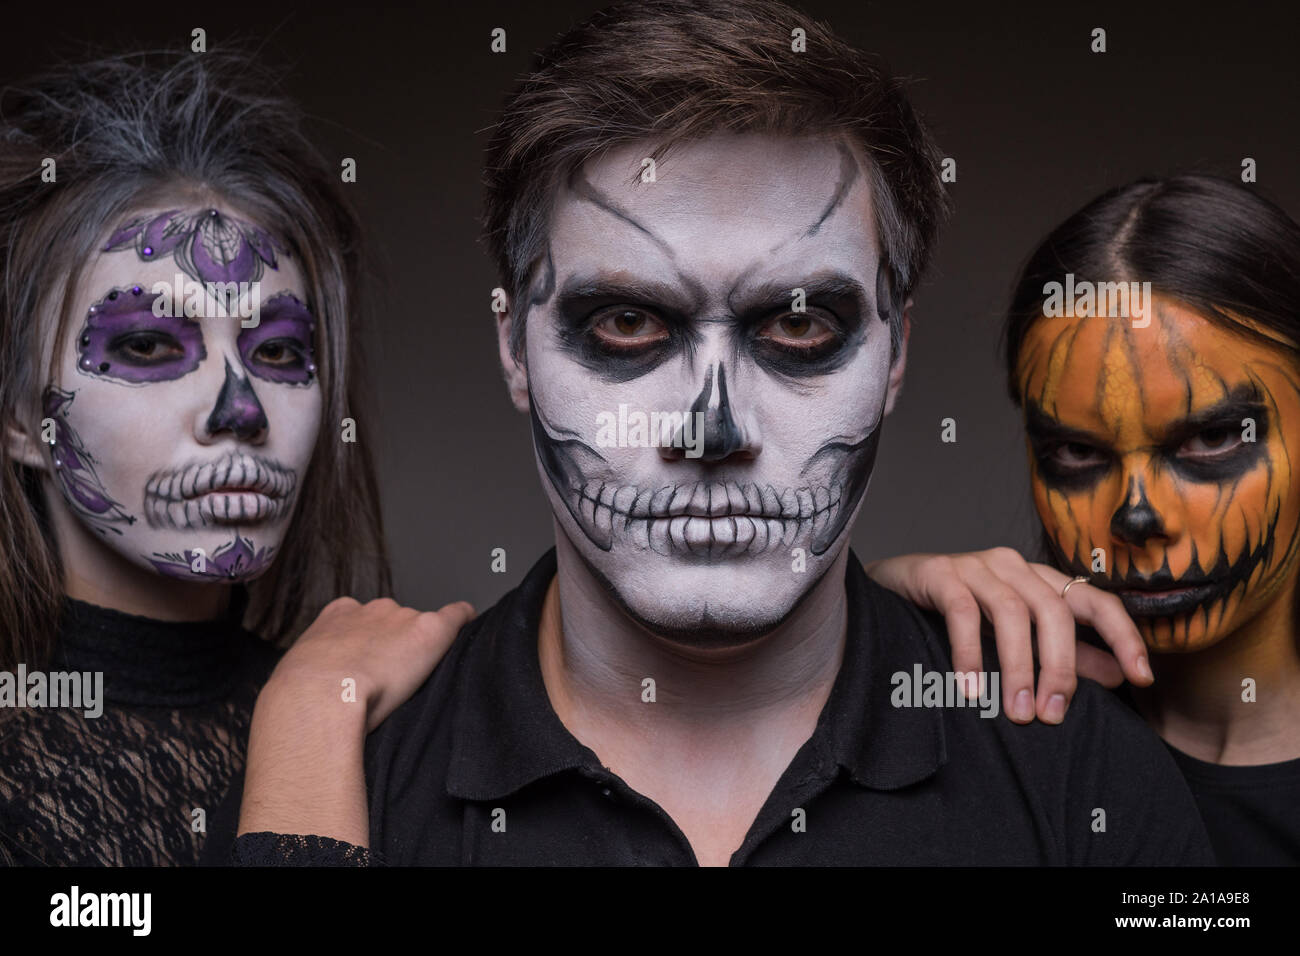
(236, 490)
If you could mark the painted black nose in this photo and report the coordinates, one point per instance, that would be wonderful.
(1135, 521)
(722, 436)
(237, 409)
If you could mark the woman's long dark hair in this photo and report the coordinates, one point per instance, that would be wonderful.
(119, 130)
(1210, 243)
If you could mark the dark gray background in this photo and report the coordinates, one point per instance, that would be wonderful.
(1037, 123)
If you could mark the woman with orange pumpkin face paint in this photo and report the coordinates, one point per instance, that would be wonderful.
(1153, 344)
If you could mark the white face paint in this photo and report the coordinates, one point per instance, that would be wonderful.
(676, 296)
(181, 441)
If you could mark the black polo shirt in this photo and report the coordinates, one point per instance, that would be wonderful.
(477, 769)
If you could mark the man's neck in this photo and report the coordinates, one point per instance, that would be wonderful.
(596, 658)
(704, 732)
(1197, 703)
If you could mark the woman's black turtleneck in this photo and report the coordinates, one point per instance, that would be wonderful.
(125, 788)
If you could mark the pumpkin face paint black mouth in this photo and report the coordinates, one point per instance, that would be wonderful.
(1162, 595)
(1163, 467)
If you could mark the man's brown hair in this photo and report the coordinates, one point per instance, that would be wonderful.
(676, 70)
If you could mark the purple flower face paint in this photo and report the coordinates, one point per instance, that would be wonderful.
(123, 340)
(234, 561)
(75, 469)
(209, 245)
(280, 348)
(202, 425)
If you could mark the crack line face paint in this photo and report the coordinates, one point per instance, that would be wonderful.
(195, 423)
(677, 296)
(1139, 445)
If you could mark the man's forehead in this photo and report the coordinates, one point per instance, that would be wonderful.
(719, 208)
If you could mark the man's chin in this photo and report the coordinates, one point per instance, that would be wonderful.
(714, 604)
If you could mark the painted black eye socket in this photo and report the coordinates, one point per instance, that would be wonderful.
(1069, 465)
(146, 348)
(802, 344)
(1220, 451)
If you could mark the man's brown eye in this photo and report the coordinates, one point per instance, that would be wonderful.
(799, 329)
(629, 323)
(630, 327)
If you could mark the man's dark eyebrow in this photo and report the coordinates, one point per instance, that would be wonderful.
(772, 295)
(1042, 426)
(578, 290)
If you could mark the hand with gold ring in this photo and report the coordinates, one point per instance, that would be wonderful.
(1031, 607)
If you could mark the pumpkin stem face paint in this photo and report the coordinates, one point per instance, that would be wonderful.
(1163, 466)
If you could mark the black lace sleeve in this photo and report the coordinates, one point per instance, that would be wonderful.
(296, 849)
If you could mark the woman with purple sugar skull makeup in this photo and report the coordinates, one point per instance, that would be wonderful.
(178, 320)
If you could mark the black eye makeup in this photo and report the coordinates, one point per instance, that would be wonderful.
(1213, 445)
(812, 342)
(623, 331)
(817, 340)
(619, 332)
(1210, 446)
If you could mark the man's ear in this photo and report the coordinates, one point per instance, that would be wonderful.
(515, 372)
(900, 363)
(23, 447)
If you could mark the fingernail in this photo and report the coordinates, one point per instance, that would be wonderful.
(1055, 712)
(1024, 706)
(1144, 668)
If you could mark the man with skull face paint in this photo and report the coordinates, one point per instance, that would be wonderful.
(700, 667)
(1162, 448)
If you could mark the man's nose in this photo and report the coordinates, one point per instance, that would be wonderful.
(718, 430)
(1135, 521)
(237, 411)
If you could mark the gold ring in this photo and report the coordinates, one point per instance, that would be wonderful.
(1071, 583)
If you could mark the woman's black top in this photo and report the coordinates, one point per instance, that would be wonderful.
(132, 785)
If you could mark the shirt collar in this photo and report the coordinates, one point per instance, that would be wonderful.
(507, 735)
(881, 746)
